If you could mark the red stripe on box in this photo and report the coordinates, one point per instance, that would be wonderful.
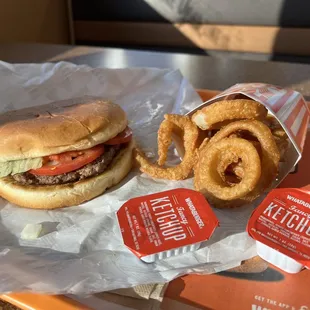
(279, 103)
(301, 135)
(291, 118)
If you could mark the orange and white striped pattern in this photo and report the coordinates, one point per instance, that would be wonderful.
(287, 105)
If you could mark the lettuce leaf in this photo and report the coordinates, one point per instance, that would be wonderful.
(19, 166)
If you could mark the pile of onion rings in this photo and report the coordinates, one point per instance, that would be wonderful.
(242, 165)
(233, 147)
(227, 169)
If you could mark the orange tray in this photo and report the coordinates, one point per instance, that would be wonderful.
(176, 289)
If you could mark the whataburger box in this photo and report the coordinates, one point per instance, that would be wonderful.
(286, 105)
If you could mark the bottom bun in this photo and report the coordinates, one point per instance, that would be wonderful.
(71, 194)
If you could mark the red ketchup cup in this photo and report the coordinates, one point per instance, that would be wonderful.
(166, 224)
(281, 228)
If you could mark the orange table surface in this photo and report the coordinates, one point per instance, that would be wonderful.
(185, 290)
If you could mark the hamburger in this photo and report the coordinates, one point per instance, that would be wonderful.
(63, 153)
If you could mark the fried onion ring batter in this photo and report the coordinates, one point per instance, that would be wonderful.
(208, 179)
(269, 150)
(225, 110)
(184, 126)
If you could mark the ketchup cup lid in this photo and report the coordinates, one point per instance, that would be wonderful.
(282, 222)
(166, 220)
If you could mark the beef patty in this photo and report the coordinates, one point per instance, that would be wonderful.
(92, 169)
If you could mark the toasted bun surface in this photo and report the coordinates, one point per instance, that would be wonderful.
(57, 196)
(57, 127)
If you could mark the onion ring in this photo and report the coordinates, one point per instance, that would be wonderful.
(207, 178)
(233, 173)
(250, 138)
(282, 144)
(225, 110)
(269, 149)
(204, 143)
(230, 168)
(279, 135)
(190, 134)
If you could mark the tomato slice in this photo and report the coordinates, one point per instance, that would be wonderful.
(68, 161)
(123, 137)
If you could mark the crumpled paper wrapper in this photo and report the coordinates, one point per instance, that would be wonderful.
(81, 249)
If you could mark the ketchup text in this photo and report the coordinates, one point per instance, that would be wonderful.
(169, 225)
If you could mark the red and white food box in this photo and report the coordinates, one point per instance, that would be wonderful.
(281, 228)
(286, 105)
(166, 224)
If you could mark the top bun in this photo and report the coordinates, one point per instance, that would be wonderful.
(53, 128)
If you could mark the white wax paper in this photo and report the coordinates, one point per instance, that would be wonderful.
(81, 250)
